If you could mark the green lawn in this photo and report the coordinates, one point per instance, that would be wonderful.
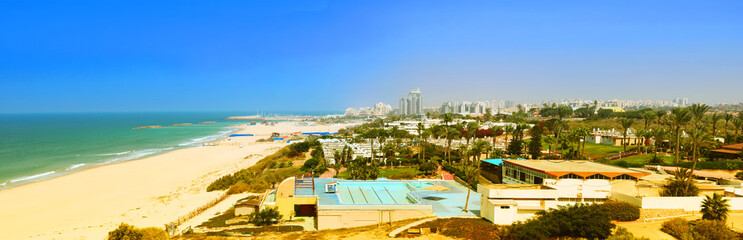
(596, 151)
(383, 172)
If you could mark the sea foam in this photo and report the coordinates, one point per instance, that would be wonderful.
(33, 177)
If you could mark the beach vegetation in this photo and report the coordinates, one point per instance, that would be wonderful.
(129, 232)
(267, 216)
(265, 172)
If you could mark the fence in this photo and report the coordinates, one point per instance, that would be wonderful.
(172, 227)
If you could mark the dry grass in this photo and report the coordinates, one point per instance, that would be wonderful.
(367, 232)
(462, 228)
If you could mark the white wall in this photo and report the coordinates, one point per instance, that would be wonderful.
(686, 203)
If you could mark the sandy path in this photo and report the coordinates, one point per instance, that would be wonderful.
(146, 192)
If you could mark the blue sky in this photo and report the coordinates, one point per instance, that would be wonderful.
(89, 56)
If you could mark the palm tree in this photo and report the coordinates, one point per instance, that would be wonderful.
(660, 114)
(509, 130)
(496, 131)
(470, 173)
(727, 117)
(471, 130)
(715, 118)
(562, 112)
(698, 137)
(451, 134)
(478, 147)
(737, 123)
(679, 118)
(660, 134)
(371, 135)
(626, 124)
(715, 208)
(682, 185)
(447, 119)
(697, 112)
(648, 116)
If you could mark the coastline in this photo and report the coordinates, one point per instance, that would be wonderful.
(147, 192)
(75, 168)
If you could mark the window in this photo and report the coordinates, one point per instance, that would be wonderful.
(537, 180)
(571, 176)
(597, 176)
(505, 207)
(625, 177)
(523, 177)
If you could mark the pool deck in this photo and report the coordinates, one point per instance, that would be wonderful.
(445, 203)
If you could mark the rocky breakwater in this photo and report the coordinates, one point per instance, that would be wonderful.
(181, 124)
(145, 127)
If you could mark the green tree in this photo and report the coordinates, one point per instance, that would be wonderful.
(715, 208)
(715, 118)
(727, 117)
(678, 118)
(648, 117)
(626, 125)
(535, 145)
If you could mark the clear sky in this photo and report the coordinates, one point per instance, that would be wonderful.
(88, 56)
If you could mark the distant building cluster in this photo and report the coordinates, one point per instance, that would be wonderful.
(479, 107)
(616, 103)
(379, 109)
(412, 103)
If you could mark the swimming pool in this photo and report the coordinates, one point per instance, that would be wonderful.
(379, 192)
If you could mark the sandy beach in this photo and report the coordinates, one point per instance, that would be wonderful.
(146, 192)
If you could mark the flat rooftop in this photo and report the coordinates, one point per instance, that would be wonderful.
(390, 194)
(581, 168)
(516, 186)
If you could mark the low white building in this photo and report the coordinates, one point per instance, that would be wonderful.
(534, 185)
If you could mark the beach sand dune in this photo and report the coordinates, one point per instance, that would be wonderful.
(146, 192)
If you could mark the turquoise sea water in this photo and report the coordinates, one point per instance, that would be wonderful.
(35, 147)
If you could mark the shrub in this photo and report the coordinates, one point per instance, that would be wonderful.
(129, 232)
(678, 228)
(699, 229)
(622, 234)
(153, 233)
(722, 165)
(239, 187)
(125, 232)
(655, 159)
(576, 221)
(622, 211)
(708, 229)
(739, 175)
(402, 175)
(267, 216)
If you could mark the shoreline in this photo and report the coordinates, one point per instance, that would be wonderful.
(147, 192)
(79, 167)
